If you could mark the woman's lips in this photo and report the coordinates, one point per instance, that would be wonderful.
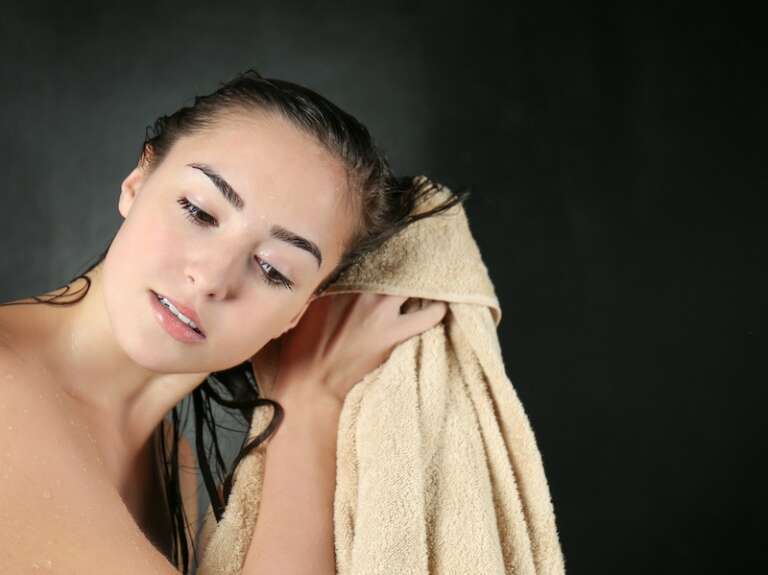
(171, 324)
(186, 310)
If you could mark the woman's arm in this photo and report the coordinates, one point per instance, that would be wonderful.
(340, 339)
(294, 529)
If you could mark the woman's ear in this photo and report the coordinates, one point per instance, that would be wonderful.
(131, 186)
(129, 189)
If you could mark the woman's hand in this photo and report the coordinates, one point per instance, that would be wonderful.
(341, 338)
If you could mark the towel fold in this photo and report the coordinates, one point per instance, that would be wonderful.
(437, 466)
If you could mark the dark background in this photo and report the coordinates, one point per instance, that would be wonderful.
(616, 158)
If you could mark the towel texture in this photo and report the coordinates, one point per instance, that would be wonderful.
(438, 470)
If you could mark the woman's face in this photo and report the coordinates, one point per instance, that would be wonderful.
(226, 265)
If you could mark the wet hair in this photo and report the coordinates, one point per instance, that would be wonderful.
(385, 203)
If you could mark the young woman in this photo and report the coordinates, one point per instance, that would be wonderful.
(242, 209)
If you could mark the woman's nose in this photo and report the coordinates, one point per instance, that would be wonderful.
(216, 275)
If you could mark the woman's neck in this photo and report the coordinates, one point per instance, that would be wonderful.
(76, 345)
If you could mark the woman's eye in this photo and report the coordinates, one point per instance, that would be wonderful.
(195, 214)
(273, 277)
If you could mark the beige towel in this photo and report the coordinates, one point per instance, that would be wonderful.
(438, 470)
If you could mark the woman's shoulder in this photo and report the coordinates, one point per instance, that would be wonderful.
(58, 510)
(34, 415)
(28, 412)
(23, 376)
(19, 372)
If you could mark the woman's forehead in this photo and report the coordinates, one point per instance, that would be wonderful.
(275, 168)
(264, 151)
(260, 139)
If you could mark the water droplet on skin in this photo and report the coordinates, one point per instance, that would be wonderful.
(48, 564)
(10, 428)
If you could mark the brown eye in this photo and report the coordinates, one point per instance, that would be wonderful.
(195, 214)
(274, 277)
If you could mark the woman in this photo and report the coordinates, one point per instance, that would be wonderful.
(242, 209)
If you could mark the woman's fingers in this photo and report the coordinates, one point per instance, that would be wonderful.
(344, 336)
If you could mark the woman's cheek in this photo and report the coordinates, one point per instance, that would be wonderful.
(256, 325)
(167, 241)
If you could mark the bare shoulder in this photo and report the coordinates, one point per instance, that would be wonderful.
(17, 329)
(58, 511)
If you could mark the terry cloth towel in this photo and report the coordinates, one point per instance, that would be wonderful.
(438, 470)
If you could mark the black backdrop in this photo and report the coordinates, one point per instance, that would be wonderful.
(616, 157)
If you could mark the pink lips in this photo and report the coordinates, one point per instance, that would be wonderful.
(187, 311)
(171, 324)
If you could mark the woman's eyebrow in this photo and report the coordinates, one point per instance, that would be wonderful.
(276, 231)
(226, 190)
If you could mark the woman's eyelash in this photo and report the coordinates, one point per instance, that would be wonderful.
(195, 214)
(201, 218)
(274, 277)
